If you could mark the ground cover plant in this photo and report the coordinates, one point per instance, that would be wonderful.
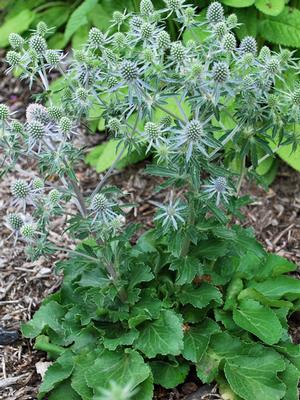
(196, 292)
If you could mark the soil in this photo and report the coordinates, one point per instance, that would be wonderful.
(274, 216)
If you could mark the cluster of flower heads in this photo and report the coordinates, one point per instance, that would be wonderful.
(182, 99)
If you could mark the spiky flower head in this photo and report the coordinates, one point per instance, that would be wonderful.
(136, 23)
(37, 112)
(42, 28)
(215, 12)
(285, 56)
(148, 55)
(82, 94)
(178, 52)
(129, 71)
(166, 121)
(272, 100)
(20, 189)
(99, 203)
(96, 38)
(146, 7)
(220, 29)
(173, 5)
(119, 40)
(112, 81)
(248, 45)
(152, 130)
(36, 130)
(189, 12)
(55, 113)
(114, 125)
(248, 59)
(118, 18)
(37, 184)
(4, 112)
(16, 41)
(265, 53)
(218, 187)
(232, 21)
(13, 58)
(295, 97)
(15, 221)
(146, 30)
(229, 42)
(220, 72)
(65, 125)
(16, 126)
(163, 40)
(52, 57)
(196, 69)
(28, 231)
(273, 66)
(194, 130)
(54, 197)
(38, 44)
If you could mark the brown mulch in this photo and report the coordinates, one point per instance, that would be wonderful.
(274, 216)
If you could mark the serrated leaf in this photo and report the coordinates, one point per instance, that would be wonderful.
(79, 17)
(169, 375)
(163, 336)
(121, 339)
(278, 287)
(273, 266)
(56, 373)
(17, 24)
(290, 377)
(260, 320)
(270, 7)
(48, 315)
(145, 390)
(207, 368)
(187, 268)
(78, 381)
(283, 29)
(253, 378)
(64, 391)
(147, 308)
(196, 339)
(139, 273)
(201, 296)
(119, 366)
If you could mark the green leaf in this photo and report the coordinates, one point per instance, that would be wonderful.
(207, 368)
(162, 336)
(147, 308)
(169, 375)
(56, 373)
(187, 268)
(238, 3)
(139, 273)
(64, 391)
(79, 17)
(283, 29)
(48, 315)
(292, 158)
(248, 18)
(201, 296)
(121, 339)
(290, 377)
(78, 382)
(278, 287)
(54, 17)
(18, 24)
(274, 265)
(256, 378)
(270, 7)
(198, 32)
(196, 339)
(145, 390)
(120, 366)
(259, 320)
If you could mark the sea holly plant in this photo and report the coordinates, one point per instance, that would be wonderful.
(196, 293)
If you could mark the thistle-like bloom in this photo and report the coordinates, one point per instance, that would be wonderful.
(218, 187)
(172, 214)
(153, 133)
(102, 208)
(21, 193)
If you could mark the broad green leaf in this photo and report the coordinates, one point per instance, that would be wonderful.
(251, 293)
(238, 3)
(64, 391)
(120, 366)
(163, 336)
(273, 266)
(198, 33)
(201, 296)
(54, 17)
(169, 375)
(80, 36)
(256, 378)
(196, 339)
(18, 24)
(278, 287)
(259, 320)
(139, 272)
(290, 377)
(48, 315)
(270, 7)
(78, 381)
(292, 158)
(207, 368)
(79, 17)
(145, 390)
(147, 308)
(56, 373)
(121, 339)
(187, 268)
(283, 29)
(248, 18)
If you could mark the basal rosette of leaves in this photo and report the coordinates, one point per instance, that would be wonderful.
(196, 292)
